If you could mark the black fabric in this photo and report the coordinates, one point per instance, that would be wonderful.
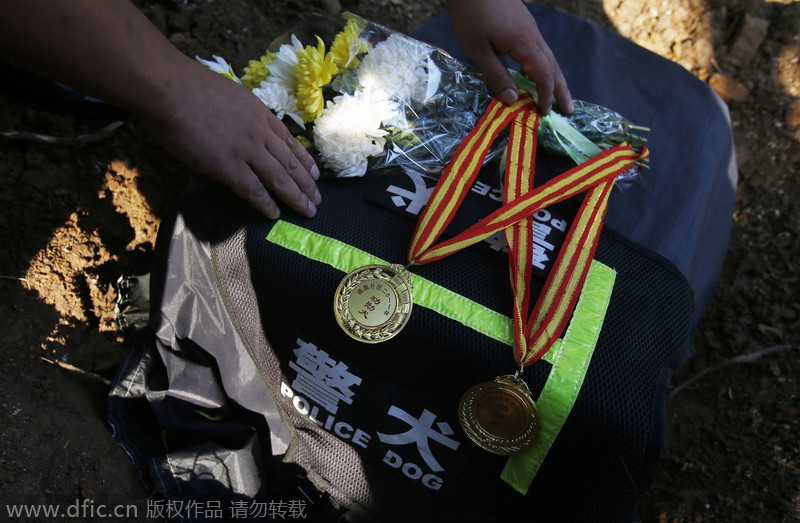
(603, 456)
(608, 447)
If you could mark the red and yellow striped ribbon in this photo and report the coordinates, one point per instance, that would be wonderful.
(594, 177)
(605, 166)
(562, 288)
(520, 158)
(458, 176)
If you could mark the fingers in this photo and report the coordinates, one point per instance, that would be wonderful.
(225, 132)
(267, 176)
(250, 188)
(496, 75)
(285, 171)
(538, 63)
(563, 96)
(489, 30)
(297, 150)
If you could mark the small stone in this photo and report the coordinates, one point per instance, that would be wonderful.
(178, 38)
(731, 91)
(792, 116)
(743, 153)
(748, 39)
(704, 50)
(770, 331)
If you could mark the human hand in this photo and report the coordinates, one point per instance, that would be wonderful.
(220, 129)
(488, 30)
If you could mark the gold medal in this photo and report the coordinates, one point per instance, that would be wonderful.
(499, 416)
(372, 304)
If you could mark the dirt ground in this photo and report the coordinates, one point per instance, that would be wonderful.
(71, 215)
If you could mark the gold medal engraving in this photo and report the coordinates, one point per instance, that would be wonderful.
(372, 304)
(499, 416)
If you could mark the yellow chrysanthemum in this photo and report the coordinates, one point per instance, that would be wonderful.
(257, 70)
(314, 70)
(347, 45)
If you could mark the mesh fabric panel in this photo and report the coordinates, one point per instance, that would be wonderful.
(607, 448)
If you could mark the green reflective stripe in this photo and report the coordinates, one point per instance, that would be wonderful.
(570, 362)
(319, 248)
(463, 310)
(427, 294)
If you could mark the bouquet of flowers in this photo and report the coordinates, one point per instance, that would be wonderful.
(366, 97)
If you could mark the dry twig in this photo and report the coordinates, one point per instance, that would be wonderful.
(81, 139)
(82, 372)
(23, 280)
(742, 358)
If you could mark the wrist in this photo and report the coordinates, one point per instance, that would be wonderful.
(163, 89)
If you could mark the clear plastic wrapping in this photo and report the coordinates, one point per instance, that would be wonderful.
(599, 125)
(363, 97)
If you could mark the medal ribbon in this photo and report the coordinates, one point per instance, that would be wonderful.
(561, 290)
(457, 179)
(519, 181)
(521, 201)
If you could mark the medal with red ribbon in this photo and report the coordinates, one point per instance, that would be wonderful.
(500, 415)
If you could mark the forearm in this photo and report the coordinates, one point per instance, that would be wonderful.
(105, 48)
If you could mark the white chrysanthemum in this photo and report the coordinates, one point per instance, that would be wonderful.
(349, 131)
(402, 67)
(283, 69)
(278, 98)
(221, 66)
